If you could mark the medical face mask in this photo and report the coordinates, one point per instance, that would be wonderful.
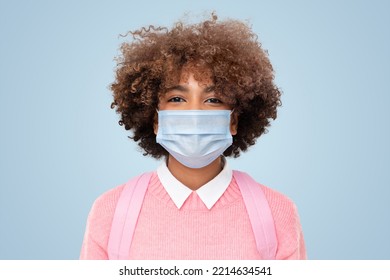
(194, 137)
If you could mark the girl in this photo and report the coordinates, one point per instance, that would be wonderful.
(194, 95)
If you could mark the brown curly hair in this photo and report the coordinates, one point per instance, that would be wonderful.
(240, 70)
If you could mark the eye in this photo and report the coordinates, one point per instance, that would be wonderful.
(176, 99)
(213, 100)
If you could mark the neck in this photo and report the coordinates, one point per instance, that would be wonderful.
(194, 178)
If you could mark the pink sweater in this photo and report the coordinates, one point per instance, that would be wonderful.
(193, 232)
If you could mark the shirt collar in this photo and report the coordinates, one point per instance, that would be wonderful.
(209, 193)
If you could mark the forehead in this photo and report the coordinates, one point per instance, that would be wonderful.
(201, 73)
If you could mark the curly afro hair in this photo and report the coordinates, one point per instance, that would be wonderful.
(240, 70)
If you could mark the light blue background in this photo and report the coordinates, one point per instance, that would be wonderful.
(61, 146)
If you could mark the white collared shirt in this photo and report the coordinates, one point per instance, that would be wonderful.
(209, 193)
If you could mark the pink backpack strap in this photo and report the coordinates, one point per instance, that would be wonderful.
(126, 216)
(259, 215)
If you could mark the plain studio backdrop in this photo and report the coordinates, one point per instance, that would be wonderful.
(61, 145)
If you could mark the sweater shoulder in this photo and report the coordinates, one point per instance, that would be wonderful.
(103, 209)
(107, 201)
(282, 208)
(287, 225)
(102, 212)
(278, 201)
(99, 225)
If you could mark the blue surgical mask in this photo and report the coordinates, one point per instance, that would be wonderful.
(194, 137)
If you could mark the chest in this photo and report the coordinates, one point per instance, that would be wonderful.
(163, 232)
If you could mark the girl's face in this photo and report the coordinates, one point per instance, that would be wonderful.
(190, 94)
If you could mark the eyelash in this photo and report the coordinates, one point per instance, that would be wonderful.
(175, 99)
(209, 100)
(215, 100)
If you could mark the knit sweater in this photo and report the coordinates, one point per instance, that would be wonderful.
(193, 232)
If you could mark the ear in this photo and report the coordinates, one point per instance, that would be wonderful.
(155, 123)
(233, 123)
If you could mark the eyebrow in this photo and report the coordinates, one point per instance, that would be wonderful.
(179, 88)
(185, 89)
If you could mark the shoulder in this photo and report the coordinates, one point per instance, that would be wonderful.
(103, 208)
(287, 225)
(99, 225)
(280, 204)
(107, 201)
